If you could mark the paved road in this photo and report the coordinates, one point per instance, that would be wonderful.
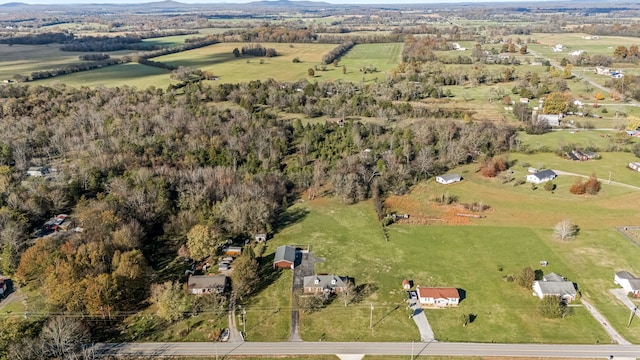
(332, 348)
(615, 336)
(604, 181)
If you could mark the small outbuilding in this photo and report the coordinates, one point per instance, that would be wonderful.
(448, 178)
(285, 257)
(406, 284)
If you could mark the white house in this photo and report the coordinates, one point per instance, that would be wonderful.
(628, 282)
(37, 171)
(438, 296)
(555, 285)
(550, 119)
(541, 176)
(635, 166)
(448, 178)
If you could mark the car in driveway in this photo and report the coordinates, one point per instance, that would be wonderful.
(413, 295)
(224, 336)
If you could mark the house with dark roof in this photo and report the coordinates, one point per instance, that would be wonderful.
(325, 284)
(448, 178)
(285, 257)
(555, 285)
(438, 296)
(203, 284)
(541, 176)
(628, 282)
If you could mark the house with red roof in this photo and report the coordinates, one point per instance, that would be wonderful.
(438, 296)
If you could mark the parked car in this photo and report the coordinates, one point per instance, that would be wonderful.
(224, 336)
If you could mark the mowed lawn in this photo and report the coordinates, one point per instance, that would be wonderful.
(383, 57)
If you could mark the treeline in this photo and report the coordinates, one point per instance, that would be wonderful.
(94, 57)
(69, 69)
(38, 39)
(105, 43)
(337, 52)
(258, 50)
(422, 48)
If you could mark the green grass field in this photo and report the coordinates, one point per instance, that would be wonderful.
(25, 59)
(515, 233)
(219, 60)
(599, 139)
(131, 74)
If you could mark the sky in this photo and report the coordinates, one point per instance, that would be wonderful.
(246, 1)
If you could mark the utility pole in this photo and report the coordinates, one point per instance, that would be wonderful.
(244, 323)
(371, 318)
(633, 312)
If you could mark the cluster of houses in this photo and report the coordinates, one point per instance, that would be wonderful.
(581, 155)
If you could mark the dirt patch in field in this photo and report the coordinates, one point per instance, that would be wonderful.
(429, 213)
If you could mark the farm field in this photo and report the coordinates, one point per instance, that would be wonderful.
(25, 59)
(219, 60)
(131, 74)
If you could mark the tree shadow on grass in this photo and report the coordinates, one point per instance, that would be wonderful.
(289, 217)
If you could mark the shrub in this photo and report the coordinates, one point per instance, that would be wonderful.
(599, 96)
(552, 307)
(592, 186)
(526, 277)
(578, 187)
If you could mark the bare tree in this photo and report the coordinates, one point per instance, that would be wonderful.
(63, 337)
(565, 230)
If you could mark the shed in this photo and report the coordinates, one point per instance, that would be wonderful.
(285, 257)
(233, 250)
(448, 178)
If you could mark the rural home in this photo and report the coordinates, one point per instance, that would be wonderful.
(37, 171)
(203, 284)
(550, 119)
(285, 257)
(555, 285)
(541, 176)
(601, 70)
(628, 282)
(448, 178)
(326, 284)
(635, 166)
(438, 296)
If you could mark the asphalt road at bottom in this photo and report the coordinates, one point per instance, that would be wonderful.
(324, 348)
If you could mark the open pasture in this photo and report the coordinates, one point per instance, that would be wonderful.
(467, 257)
(25, 59)
(131, 74)
(219, 60)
